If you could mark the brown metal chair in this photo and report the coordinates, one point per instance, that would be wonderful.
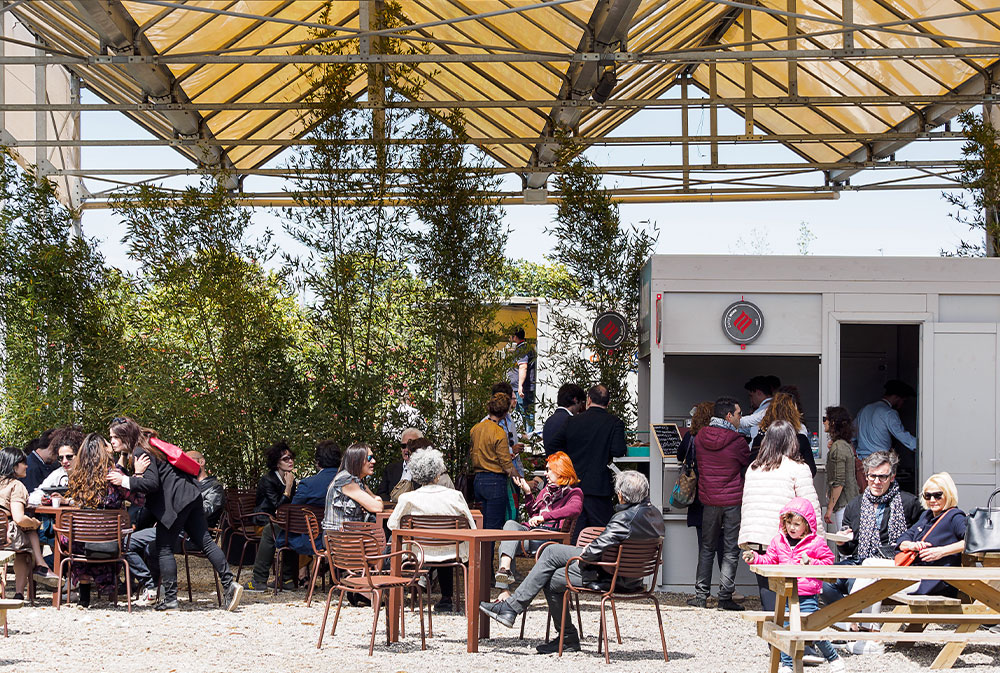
(634, 559)
(217, 534)
(587, 535)
(356, 558)
(94, 526)
(289, 520)
(438, 522)
(242, 522)
(4, 522)
(369, 528)
(315, 533)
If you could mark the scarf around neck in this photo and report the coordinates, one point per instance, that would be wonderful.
(869, 527)
(722, 423)
(549, 497)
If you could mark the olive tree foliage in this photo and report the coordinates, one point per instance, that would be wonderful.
(978, 202)
(215, 336)
(368, 364)
(457, 247)
(56, 305)
(604, 257)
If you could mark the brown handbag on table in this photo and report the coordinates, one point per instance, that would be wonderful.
(905, 558)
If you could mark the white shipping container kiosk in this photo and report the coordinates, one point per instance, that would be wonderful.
(838, 328)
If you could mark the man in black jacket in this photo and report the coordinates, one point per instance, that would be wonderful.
(635, 519)
(591, 440)
(571, 399)
(396, 472)
(876, 519)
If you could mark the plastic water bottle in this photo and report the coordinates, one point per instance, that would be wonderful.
(814, 442)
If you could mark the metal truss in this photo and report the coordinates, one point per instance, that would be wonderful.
(665, 54)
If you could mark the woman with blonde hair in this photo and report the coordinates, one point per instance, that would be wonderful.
(557, 500)
(784, 408)
(938, 536)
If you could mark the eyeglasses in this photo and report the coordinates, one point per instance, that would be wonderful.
(933, 495)
(879, 477)
(371, 458)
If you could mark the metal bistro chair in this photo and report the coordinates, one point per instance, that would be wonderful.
(316, 534)
(440, 522)
(94, 526)
(242, 522)
(289, 520)
(217, 534)
(356, 558)
(634, 559)
(587, 535)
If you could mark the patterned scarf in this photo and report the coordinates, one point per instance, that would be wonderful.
(869, 539)
(717, 422)
(547, 498)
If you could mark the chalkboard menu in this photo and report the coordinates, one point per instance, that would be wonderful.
(668, 438)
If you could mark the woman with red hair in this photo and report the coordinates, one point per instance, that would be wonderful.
(556, 501)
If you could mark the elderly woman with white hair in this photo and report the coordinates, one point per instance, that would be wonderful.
(938, 536)
(427, 468)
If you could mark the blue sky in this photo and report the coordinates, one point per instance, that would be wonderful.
(901, 223)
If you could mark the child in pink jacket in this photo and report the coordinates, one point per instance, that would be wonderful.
(797, 544)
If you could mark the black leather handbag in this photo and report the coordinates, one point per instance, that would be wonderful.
(982, 531)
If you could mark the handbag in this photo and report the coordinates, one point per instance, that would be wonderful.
(686, 487)
(176, 457)
(905, 558)
(982, 529)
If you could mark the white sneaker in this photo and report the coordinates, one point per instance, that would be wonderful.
(865, 647)
(785, 669)
(148, 598)
(837, 666)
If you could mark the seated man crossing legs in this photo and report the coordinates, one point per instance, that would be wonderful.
(634, 519)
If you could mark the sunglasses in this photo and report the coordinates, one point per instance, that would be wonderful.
(879, 477)
(117, 419)
(65, 459)
(933, 495)
(288, 458)
(371, 458)
(825, 419)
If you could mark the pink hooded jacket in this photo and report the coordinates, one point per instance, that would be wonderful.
(779, 551)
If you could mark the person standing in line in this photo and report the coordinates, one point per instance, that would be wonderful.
(492, 463)
(522, 378)
(841, 477)
(760, 390)
(591, 439)
(571, 400)
(173, 497)
(783, 407)
(880, 429)
(722, 455)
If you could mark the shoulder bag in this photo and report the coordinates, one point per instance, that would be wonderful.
(686, 487)
(982, 531)
(905, 558)
(176, 457)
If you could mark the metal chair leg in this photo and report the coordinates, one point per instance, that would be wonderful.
(659, 621)
(376, 603)
(614, 613)
(604, 632)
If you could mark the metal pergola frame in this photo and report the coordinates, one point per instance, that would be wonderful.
(764, 62)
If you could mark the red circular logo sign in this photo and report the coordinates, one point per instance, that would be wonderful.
(610, 330)
(742, 322)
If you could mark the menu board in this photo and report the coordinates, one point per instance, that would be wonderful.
(668, 438)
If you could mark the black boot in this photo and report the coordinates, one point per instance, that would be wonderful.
(84, 593)
(571, 642)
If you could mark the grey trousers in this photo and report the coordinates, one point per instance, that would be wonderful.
(716, 521)
(549, 576)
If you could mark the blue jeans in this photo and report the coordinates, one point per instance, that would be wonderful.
(808, 605)
(490, 489)
(526, 407)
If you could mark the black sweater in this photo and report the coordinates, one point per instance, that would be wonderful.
(167, 489)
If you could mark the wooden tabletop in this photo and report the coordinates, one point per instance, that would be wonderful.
(49, 509)
(913, 573)
(5, 557)
(478, 534)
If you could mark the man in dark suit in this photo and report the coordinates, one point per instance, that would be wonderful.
(394, 472)
(591, 440)
(571, 399)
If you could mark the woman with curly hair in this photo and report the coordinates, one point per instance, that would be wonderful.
(841, 481)
(784, 408)
(89, 489)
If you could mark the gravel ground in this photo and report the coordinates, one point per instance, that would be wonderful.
(279, 634)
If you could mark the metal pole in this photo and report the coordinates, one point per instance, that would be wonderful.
(793, 45)
(848, 15)
(748, 70)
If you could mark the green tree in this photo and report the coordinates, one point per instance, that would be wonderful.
(458, 247)
(979, 178)
(521, 278)
(216, 335)
(58, 342)
(604, 258)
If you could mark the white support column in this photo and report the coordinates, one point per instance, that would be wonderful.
(42, 165)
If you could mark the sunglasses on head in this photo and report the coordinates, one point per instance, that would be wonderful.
(118, 419)
(933, 495)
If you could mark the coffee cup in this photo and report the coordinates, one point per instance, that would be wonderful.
(57, 500)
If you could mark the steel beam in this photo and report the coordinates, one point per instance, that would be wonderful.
(122, 37)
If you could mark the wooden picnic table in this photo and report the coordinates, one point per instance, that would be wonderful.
(791, 639)
(480, 574)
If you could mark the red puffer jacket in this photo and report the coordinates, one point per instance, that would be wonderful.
(721, 455)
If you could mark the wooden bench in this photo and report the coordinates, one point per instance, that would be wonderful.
(916, 612)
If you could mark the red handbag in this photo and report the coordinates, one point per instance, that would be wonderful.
(176, 457)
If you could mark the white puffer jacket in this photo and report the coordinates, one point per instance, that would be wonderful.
(766, 493)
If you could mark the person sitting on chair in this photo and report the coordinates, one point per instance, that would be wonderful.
(635, 519)
(434, 498)
(557, 500)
